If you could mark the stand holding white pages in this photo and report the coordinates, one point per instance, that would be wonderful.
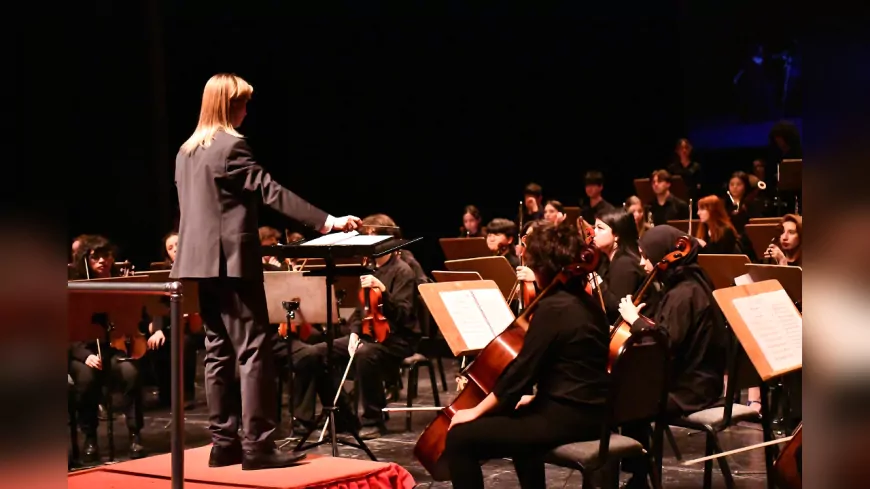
(767, 324)
(345, 239)
(469, 314)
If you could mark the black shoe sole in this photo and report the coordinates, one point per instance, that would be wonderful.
(256, 465)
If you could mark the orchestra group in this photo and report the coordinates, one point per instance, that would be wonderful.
(554, 392)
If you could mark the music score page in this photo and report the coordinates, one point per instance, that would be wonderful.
(776, 326)
(480, 315)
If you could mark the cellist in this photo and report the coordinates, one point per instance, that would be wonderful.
(564, 354)
(695, 325)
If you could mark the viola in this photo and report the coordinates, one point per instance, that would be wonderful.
(621, 330)
(302, 331)
(527, 289)
(374, 323)
(483, 373)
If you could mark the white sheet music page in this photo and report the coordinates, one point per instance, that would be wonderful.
(496, 311)
(776, 326)
(468, 318)
(744, 279)
(364, 239)
(330, 239)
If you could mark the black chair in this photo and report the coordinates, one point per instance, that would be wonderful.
(741, 375)
(638, 393)
(73, 422)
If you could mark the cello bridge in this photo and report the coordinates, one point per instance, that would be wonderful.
(461, 380)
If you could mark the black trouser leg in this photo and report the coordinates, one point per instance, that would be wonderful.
(524, 435)
(308, 367)
(125, 377)
(86, 392)
(235, 317)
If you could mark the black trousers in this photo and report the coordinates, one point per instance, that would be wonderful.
(236, 322)
(88, 392)
(371, 362)
(525, 435)
(162, 358)
(311, 380)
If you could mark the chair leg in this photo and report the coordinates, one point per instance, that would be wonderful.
(443, 375)
(673, 443)
(413, 374)
(655, 477)
(708, 465)
(588, 480)
(434, 383)
(723, 462)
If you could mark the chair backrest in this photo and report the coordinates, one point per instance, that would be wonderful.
(639, 378)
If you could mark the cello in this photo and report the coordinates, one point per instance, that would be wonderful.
(621, 330)
(484, 371)
(788, 467)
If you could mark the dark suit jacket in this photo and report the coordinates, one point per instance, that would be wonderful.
(219, 192)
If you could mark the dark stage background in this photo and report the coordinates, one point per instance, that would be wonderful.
(409, 110)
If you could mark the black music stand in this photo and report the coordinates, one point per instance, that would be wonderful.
(329, 253)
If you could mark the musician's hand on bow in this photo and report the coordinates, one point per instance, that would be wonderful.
(525, 401)
(156, 340)
(525, 274)
(367, 281)
(629, 312)
(94, 361)
(353, 344)
(463, 416)
(346, 223)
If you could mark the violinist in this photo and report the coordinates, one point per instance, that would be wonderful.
(524, 273)
(788, 251)
(620, 271)
(564, 354)
(554, 211)
(396, 282)
(716, 234)
(642, 219)
(96, 256)
(472, 223)
(695, 325)
(741, 206)
(533, 195)
(596, 205)
(500, 234)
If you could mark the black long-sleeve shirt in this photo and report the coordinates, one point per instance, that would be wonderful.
(565, 353)
(674, 209)
(621, 277)
(696, 329)
(399, 299)
(725, 245)
(692, 176)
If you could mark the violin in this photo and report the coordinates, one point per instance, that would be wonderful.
(621, 330)
(374, 323)
(301, 329)
(134, 347)
(527, 290)
(483, 373)
(587, 233)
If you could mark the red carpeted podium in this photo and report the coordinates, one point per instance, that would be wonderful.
(313, 472)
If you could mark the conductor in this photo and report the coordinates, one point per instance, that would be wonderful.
(220, 186)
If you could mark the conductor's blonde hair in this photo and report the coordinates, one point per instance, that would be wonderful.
(222, 95)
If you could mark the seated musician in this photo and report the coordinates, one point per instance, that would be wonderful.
(620, 272)
(695, 325)
(666, 207)
(565, 354)
(554, 211)
(91, 366)
(472, 223)
(642, 219)
(500, 237)
(533, 195)
(169, 245)
(525, 273)
(596, 204)
(716, 234)
(788, 251)
(373, 362)
(270, 236)
(741, 205)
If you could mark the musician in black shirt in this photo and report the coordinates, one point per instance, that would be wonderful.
(596, 205)
(666, 207)
(565, 354)
(620, 271)
(695, 325)
(501, 239)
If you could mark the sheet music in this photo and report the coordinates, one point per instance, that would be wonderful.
(776, 326)
(364, 239)
(494, 308)
(744, 279)
(468, 318)
(330, 239)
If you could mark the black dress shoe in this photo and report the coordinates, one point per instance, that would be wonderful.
(136, 448)
(224, 456)
(372, 432)
(273, 459)
(90, 453)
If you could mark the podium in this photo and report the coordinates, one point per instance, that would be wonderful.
(330, 248)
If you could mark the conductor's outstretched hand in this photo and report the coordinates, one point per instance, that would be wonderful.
(346, 223)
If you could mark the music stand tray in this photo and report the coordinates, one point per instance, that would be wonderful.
(790, 175)
(446, 276)
(679, 188)
(495, 268)
(644, 191)
(791, 278)
(462, 248)
(722, 269)
(683, 224)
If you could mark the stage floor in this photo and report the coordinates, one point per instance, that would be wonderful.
(398, 445)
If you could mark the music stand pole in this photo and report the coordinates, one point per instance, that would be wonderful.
(329, 410)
